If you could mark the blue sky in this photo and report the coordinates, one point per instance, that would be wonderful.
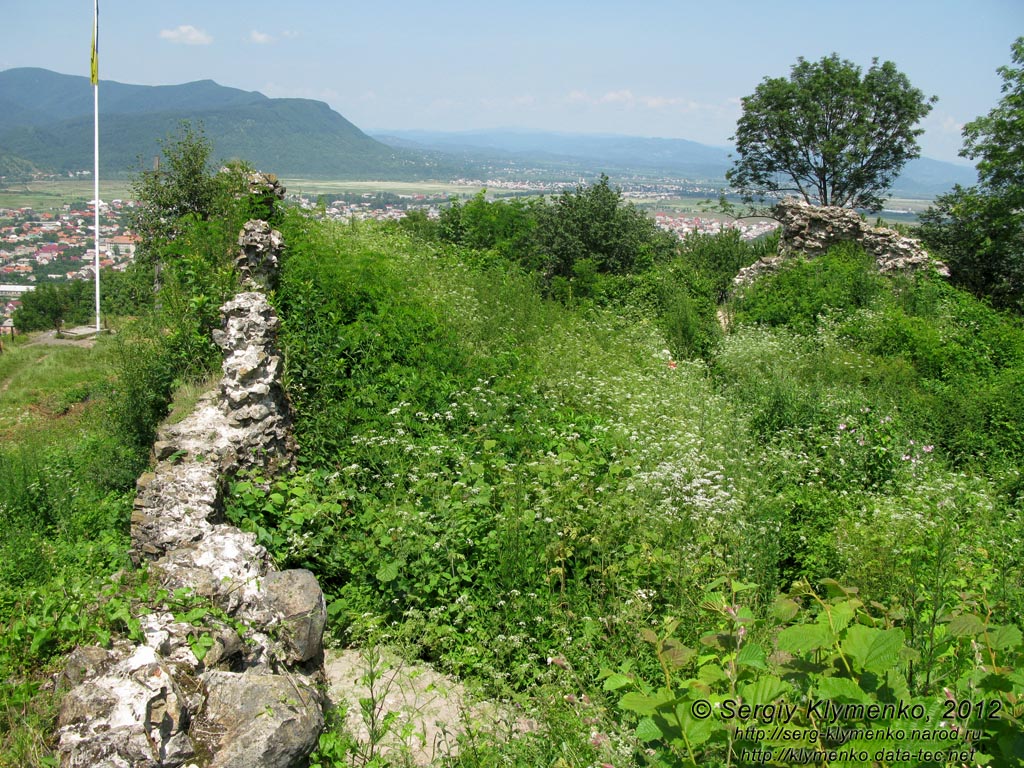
(643, 67)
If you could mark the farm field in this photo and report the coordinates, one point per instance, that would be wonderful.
(52, 195)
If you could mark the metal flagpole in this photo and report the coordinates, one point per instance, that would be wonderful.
(95, 77)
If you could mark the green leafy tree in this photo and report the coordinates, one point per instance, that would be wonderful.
(181, 185)
(182, 189)
(51, 305)
(591, 228)
(980, 229)
(188, 218)
(503, 226)
(828, 134)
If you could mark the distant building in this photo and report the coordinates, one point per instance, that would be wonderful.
(15, 291)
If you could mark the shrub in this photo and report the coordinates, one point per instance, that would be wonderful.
(804, 291)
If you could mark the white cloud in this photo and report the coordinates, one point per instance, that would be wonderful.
(952, 126)
(186, 34)
(260, 38)
(617, 97)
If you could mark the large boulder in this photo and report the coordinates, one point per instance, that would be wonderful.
(257, 720)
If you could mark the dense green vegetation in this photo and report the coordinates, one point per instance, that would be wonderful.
(980, 229)
(53, 306)
(546, 448)
(591, 481)
(547, 494)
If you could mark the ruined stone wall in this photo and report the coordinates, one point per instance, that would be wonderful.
(252, 700)
(812, 230)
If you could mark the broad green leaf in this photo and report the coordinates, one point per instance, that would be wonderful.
(648, 730)
(840, 689)
(40, 640)
(873, 650)
(764, 690)
(752, 655)
(966, 624)
(1004, 636)
(802, 638)
(785, 609)
(388, 572)
(710, 674)
(643, 703)
(196, 615)
(616, 681)
(835, 589)
(843, 613)
(697, 731)
(676, 655)
(723, 641)
(996, 682)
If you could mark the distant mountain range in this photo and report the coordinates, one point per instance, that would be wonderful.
(608, 152)
(628, 154)
(46, 125)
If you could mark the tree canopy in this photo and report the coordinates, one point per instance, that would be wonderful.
(980, 229)
(183, 188)
(593, 223)
(828, 134)
(51, 305)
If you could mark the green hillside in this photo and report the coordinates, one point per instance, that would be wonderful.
(563, 500)
(46, 119)
(543, 449)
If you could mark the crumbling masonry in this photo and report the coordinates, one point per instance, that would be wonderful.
(252, 700)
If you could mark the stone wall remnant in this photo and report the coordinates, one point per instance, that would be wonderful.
(260, 247)
(248, 694)
(812, 230)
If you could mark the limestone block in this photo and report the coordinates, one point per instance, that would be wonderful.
(257, 720)
(295, 596)
(134, 712)
(156, 704)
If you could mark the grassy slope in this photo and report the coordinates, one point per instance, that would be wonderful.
(65, 526)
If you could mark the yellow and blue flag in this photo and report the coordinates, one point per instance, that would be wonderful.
(95, 64)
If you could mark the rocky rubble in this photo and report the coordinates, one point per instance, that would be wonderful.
(811, 230)
(247, 695)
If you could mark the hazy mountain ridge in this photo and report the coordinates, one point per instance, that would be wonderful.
(46, 124)
(924, 176)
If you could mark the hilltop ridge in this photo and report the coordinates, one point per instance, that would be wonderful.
(46, 121)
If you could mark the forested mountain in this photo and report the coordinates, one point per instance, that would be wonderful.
(46, 120)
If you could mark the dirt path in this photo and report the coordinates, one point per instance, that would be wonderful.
(83, 336)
